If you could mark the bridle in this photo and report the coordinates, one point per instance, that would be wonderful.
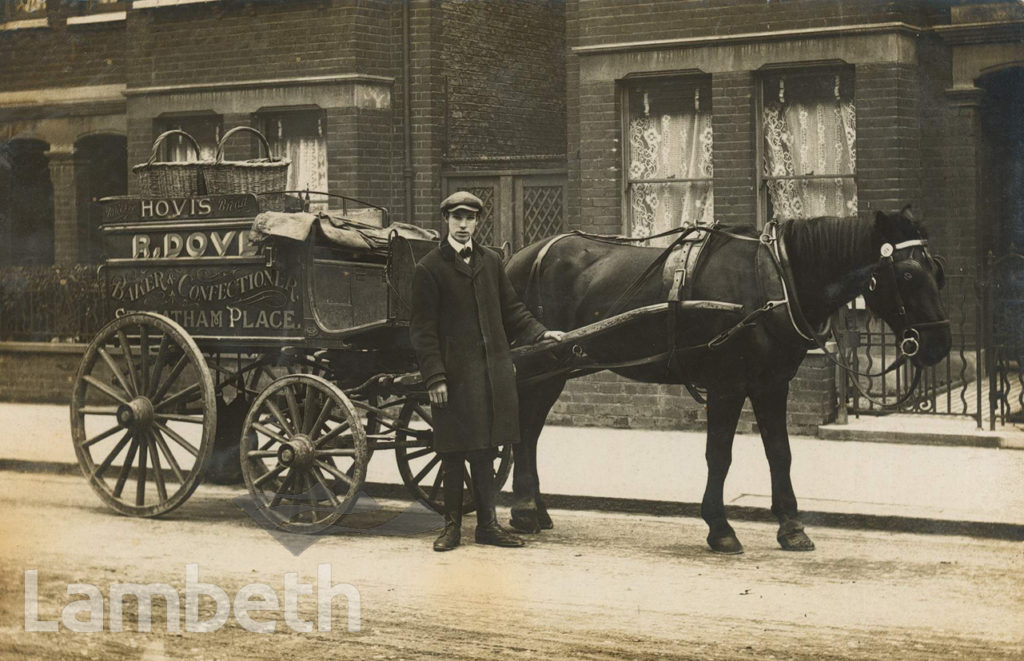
(910, 344)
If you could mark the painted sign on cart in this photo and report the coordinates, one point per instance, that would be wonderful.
(244, 300)
(131, 209)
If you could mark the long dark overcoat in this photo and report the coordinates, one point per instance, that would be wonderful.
(463, 318)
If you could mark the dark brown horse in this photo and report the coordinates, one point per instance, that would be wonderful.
(828, 261)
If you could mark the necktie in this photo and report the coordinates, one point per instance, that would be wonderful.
(466, 252)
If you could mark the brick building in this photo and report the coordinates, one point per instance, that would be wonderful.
(390, 102)
(558, 113)
(897, 103)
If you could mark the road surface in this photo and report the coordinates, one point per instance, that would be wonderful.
(598, 586)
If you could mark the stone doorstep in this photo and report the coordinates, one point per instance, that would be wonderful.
(924, 430)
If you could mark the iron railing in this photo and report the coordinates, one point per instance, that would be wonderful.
(50, 303)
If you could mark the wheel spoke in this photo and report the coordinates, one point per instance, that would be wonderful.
(310, 489)
(144, 358)
(126, 468)
(429, 419)
(158, 366)
(177, 438)
(182, 396)
(336, 473)
(158, 473)
(181, 417)
(254, 454)
(112, 364)
(321, 419)
(269, 475)
(129, 360)
(293, 407)
(99, 470)
(426, 469)
(289, 480)
(266, 431)
(171, 461)
(331, 435)
(307, 409)
(330, 492)
(436, 489)
(105, 389)
(276, 412)
(171, 377)
(99, 437)
(140, 481)
(418, 453)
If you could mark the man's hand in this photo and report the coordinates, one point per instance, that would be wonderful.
(439, 394)
(552, 335)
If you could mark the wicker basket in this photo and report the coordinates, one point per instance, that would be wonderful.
(259, 176)
(172, 178)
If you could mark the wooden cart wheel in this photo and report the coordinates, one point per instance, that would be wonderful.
(143, 414)
(420, 466)
(240, 379)
(303, 453)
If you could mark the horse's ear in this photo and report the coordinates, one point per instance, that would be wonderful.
(905, 213)
(884, 225)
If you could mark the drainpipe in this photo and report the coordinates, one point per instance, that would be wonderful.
(407, 171)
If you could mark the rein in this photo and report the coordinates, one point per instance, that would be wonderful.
(773, 242)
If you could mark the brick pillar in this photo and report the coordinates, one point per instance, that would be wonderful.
(65, 207)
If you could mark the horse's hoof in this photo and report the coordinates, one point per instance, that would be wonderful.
(544, 520)
(525, 523)
(792, 537)
(795, 541)
(727, 544)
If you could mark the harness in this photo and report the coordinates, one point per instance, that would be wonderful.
(682, 259)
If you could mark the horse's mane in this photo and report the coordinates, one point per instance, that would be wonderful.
(821, 244)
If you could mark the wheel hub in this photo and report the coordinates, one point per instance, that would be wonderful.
(136, 414)
(298, 452)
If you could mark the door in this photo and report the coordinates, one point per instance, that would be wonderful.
(519, 208)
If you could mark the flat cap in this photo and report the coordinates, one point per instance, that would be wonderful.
(462, 200)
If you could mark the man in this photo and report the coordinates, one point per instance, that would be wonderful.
(464, 312)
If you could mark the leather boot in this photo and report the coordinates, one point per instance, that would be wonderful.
(487, 529)
(454, 470)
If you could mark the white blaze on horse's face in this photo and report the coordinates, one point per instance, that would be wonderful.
(462, 224)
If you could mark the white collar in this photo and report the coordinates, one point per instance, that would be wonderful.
(459, 246)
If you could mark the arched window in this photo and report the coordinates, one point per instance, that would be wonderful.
(26, 203)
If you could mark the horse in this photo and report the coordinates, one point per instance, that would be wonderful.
(769, 294)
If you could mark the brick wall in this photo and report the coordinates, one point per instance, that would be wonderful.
(62, 55)
(616, 21)
(733, 127)
(608, 400)
(504, 64)
(216, 42)
(38, 372)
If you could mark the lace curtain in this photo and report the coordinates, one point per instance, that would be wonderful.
(308, 170)
(810, 136)
(674, 144)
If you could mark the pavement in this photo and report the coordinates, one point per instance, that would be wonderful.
(912, 483)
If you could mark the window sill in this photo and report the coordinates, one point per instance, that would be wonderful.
(155, 4)
(25, 24)
(91, 19)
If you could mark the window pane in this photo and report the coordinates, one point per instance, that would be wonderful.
(299, 137)
(809, 126)
(656, 208)
(669, 137)
(206, 129)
